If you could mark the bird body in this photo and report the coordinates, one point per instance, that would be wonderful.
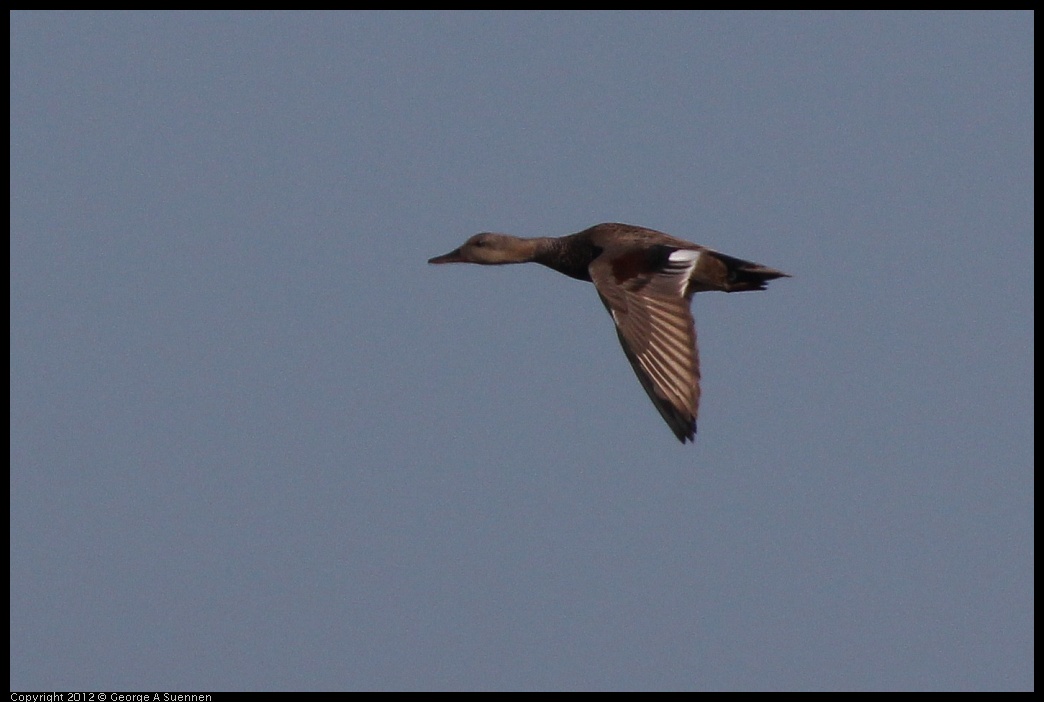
(646, 280)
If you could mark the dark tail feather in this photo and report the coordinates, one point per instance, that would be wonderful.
(747, 275)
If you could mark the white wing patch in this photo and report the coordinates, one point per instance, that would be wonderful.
(680, 264)
(684, 256)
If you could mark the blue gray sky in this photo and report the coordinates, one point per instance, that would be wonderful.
(258, 444)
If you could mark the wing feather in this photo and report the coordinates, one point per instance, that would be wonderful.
(657, 332)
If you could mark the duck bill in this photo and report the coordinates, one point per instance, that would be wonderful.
(453, 256)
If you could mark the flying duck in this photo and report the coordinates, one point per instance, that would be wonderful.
(646, 279)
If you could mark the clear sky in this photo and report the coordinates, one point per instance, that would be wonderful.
(257, 443)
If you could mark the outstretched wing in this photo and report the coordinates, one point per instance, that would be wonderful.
(645, 291)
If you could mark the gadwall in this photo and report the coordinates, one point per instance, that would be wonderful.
(646, 279)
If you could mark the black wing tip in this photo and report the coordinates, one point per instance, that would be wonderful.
(685, 432)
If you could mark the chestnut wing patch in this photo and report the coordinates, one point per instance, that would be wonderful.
(665, 267)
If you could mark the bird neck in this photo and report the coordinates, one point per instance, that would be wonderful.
(569, 255)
